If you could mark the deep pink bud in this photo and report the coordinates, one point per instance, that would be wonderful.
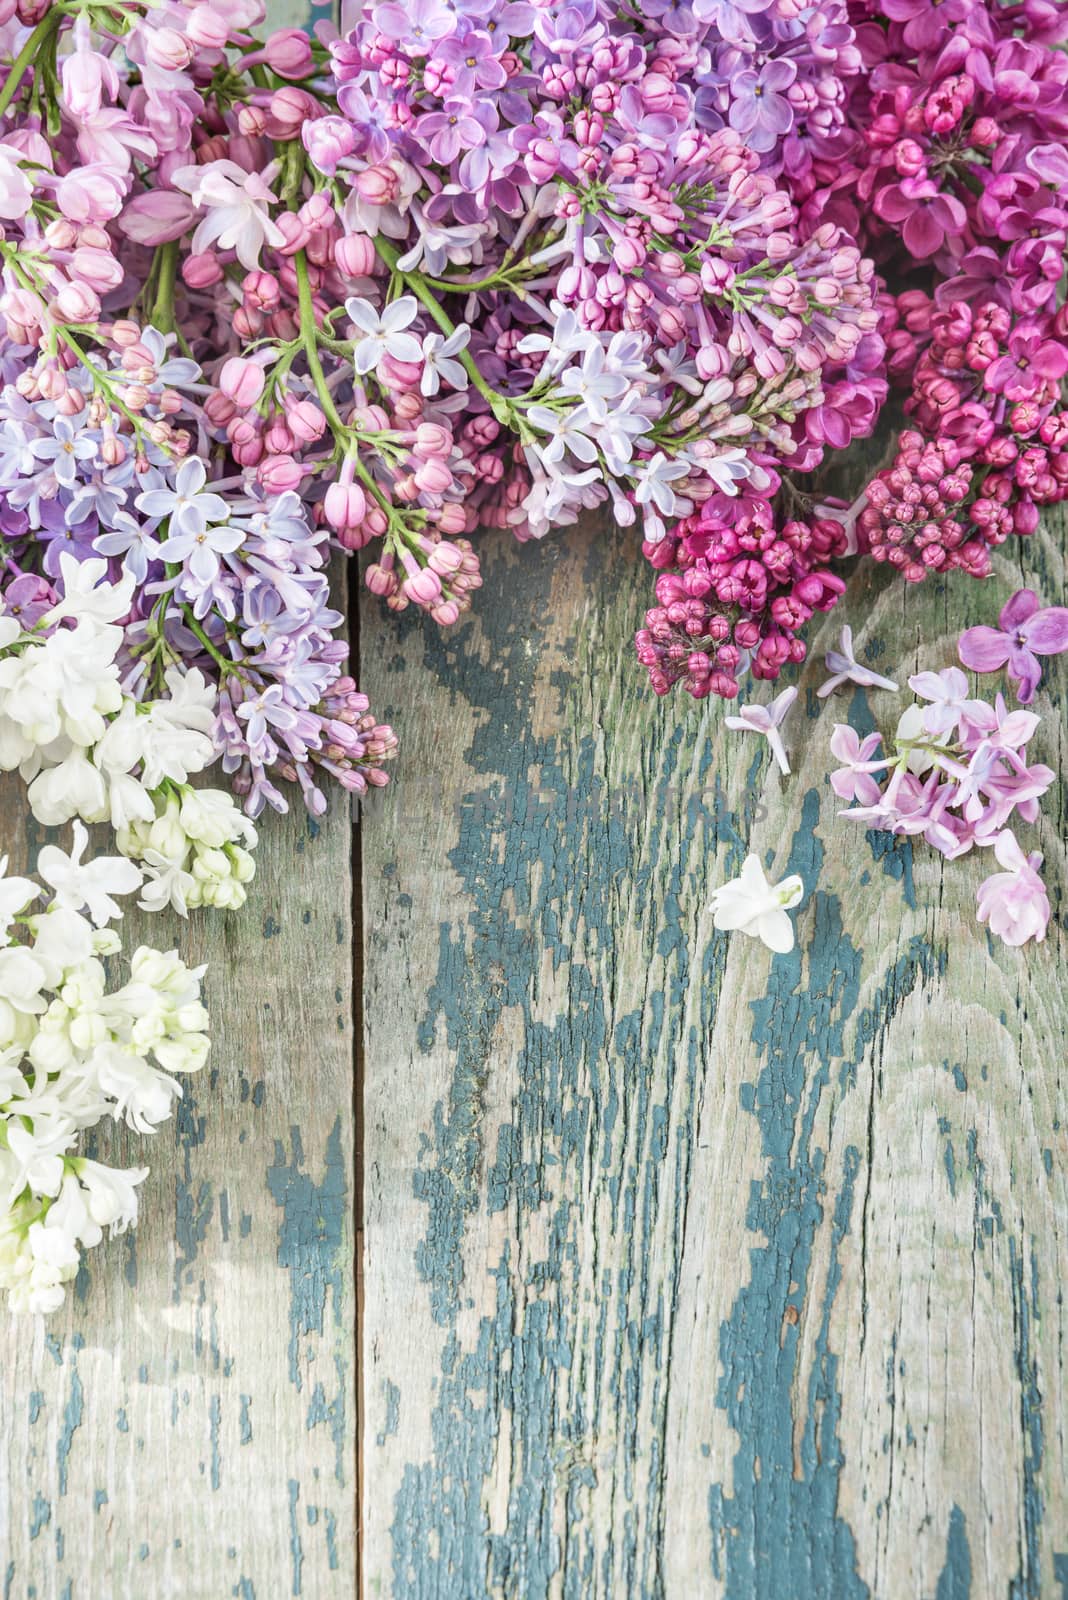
(202, 271)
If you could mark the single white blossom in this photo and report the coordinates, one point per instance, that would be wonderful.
(77, 883)
(383, 332)
(752, 905)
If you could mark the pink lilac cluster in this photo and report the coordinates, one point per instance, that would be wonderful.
(955, 184)
(648, 321)
(957, 775)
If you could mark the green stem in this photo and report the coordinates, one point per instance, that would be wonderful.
(162, 316)
(502, 409)
(221, 661)
(310, 340)
(28, 54)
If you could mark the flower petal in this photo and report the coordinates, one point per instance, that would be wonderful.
(984, 649)
(1047, 631)
(1017, 609)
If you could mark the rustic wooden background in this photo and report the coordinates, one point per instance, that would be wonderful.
(683, 1270)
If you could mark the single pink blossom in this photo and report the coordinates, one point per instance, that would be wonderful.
(766, 720)
(1025, 633)
(1014, 902)
(853, 780)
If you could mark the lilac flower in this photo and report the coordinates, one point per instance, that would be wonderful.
(190, 511)
(383, 333)
(750, 904)
(567, 432)
(477, 53)
(416, 25)
(133, 541)
(845, 668)
(1014, 902)
(853, 780)
(759, 109)
(767, 720)
(438, 360)
(199, 550)
(266, 709)
(947, 691)
(593, 384)
(27, 598)
(1026, 632)
(927, 215)
(64, 450)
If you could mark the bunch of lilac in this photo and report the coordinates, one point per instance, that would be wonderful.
(957, 775)
(111, 443)
(955, 182)
(582, 201)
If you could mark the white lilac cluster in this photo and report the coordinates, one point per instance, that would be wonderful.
(90, 751)
(71, 1054)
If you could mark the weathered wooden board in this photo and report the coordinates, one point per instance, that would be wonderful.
(689, 1270)
(185, 1428)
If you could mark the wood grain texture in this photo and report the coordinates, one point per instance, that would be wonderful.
(692, 1271)
(185, 1428)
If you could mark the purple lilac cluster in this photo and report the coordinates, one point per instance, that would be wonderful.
(957, 776)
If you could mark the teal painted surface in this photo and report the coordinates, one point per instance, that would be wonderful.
(580, 857)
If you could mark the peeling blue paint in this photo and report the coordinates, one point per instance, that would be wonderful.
(311, 1238)
(955, 1582)
(1027, 1584)
(73, 1412)
(296, 1549)
(41, 1515)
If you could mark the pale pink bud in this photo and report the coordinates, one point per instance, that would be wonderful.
(279, 473)
(206, 27)
(306, 421)
(167, 48)
(452, 518)
(278, 439)
(422, 586)
(60, 234)
(379, 184)
(431, 439)
(76, 302)
(289, 109)
(446, 613)
(434, 477)
(98, 268)
(242, 380)
(445, 558)
(289, 53)
(252, 121)
(294, 231)
(328, 140)
(317, 212)
(219, 409)
(407, 406)
(355, 255)
(260, 290)
(380, 577)
(345, 505)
